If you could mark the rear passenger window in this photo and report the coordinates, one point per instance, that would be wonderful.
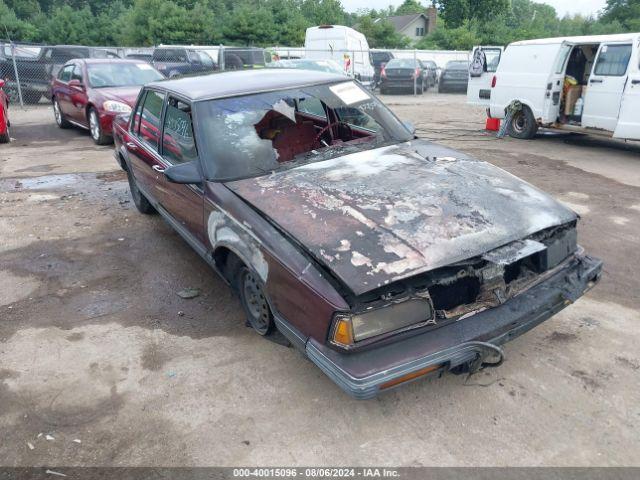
(65, 73)
(76, 73)
(613, 60)
(178, 145)
(150, 119)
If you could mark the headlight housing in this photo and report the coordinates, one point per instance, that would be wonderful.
(396, 316)
(116, 107)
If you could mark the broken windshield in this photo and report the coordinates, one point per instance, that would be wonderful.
(255, 134)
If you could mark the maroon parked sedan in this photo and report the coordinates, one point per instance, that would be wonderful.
(89, 93)
(381, 256)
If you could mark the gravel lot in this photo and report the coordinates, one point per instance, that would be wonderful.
(96, 345)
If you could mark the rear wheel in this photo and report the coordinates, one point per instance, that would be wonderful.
(523, 125)
(139, 200)
(97, 134)
(254, 301)
(59, 116)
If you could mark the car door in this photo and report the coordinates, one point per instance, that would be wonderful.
(78, 96)
(143, 145)
(629, 121)
(184, 203)
(603, 95)
(63, 91)
(481, 74)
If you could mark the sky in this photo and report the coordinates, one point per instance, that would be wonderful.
(585, 7)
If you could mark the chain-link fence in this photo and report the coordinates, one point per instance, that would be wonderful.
(28, 69)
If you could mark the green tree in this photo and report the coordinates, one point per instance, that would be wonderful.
(245, 25)
(14, 27)
(380, 33)
(71, 26)
(409, 7)
(624, 12)
(323, 12)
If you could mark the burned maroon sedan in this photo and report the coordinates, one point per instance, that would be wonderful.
(89, 93)
(381, 256)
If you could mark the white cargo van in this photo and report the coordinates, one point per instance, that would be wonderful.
(343, 45)
(583, 84)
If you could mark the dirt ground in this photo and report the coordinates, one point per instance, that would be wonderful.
(96, 345)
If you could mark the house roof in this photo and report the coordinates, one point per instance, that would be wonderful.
(399, 22)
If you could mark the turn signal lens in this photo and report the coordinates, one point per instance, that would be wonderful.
(343, 333)
(494, 80)
(409, 376)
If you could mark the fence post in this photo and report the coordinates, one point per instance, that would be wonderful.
(415, 78)
(15, 69)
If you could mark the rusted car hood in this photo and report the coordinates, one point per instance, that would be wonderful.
(378, 216)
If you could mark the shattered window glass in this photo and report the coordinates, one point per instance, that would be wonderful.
(256, 134)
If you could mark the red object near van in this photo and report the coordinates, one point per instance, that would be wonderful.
(4, 115)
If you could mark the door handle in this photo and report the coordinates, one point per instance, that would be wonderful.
(158, 168)
(131, 145)
(635, 82)
(595, 80)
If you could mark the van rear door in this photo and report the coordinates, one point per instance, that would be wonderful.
(482, 68)
(629, 121)
(603, 96)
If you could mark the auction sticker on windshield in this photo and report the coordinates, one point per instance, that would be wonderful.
(349, 93)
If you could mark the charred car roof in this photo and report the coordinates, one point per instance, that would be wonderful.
(243, 82)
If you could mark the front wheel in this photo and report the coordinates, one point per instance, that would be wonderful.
(254, 301)
(139, 200)
(97, 134)
(523, 125)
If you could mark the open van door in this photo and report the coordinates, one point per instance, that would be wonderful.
(603, 98)
(483, 66)
(629, 121)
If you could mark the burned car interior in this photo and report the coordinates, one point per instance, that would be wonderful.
(270, 130)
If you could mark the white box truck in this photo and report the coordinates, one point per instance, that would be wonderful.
(587, 84)
(343, 45)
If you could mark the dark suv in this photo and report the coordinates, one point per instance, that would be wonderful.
(176, 61)
(381, 256)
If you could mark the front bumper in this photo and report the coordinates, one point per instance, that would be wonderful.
(361, 374)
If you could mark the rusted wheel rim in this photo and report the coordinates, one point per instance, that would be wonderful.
(519, 122)
(256, 303)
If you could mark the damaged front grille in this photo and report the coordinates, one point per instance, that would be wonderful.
(468, 287)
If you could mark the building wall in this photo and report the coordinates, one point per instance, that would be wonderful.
(410, 30)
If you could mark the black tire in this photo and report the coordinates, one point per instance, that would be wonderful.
(139, 200)
(61, 121)
(254, 301)
(523, 125)
(95, 129)
(6, 136)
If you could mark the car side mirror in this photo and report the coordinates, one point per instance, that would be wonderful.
(410, 126)
(77, 84)
(185, 173)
